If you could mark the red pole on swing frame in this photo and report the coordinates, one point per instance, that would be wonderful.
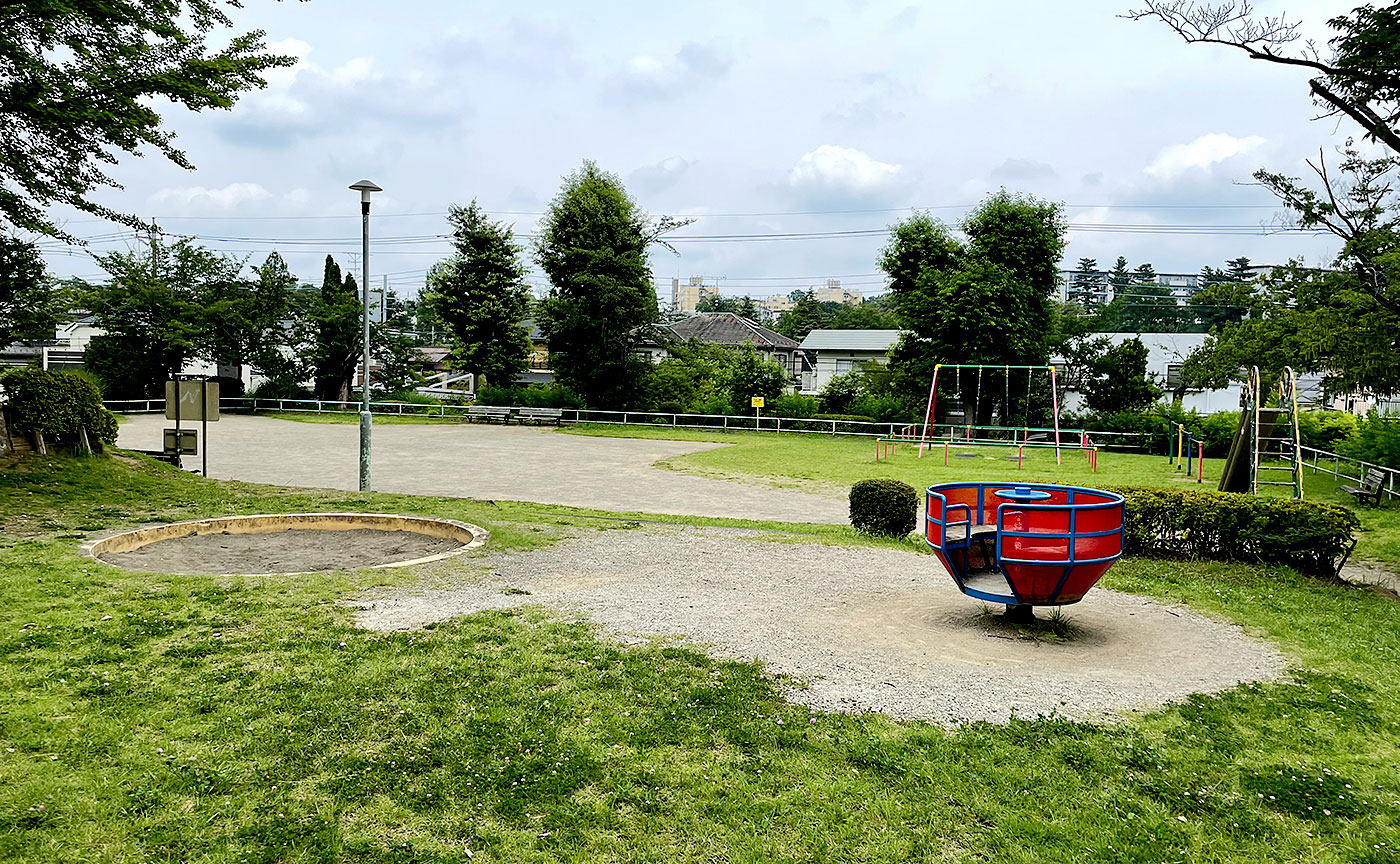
(928, 414)
(1055, 405)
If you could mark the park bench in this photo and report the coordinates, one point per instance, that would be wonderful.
(540, 415)
(489, 413)
(1370, 487)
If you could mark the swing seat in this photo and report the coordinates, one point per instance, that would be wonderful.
(1030, 545)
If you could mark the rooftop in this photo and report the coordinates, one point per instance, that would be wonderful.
(726, 328)
(851, 340)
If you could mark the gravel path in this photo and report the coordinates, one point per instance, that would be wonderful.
(859, 629)
(476, 460)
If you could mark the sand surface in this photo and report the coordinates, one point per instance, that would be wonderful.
(290, 551)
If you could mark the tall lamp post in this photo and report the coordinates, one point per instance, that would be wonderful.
(365, 187)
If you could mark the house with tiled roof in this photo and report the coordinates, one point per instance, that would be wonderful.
(727, 329)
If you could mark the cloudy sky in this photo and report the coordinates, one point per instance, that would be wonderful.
(773, 118)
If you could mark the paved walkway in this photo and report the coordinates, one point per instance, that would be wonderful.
(480, 461)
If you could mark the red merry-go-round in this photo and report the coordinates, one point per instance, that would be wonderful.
(1024, 544)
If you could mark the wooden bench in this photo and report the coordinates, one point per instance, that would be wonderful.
(1370, 487)
(489, 413)
(540, 415)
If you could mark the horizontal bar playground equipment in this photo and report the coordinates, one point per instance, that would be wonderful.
(1022, 438)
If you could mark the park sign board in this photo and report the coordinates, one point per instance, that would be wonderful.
(756, 402)
(199, 401)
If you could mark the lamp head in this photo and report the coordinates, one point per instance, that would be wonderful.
(366, 187)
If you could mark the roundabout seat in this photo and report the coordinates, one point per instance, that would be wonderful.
(1024, 545)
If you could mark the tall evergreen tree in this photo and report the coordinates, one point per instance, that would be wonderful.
(593, 247)
(481, 295)
(1239, 270)
(337, 343)
(1120, 278)
(1087, 285)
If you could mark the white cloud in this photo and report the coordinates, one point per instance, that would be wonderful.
(842, 169)
(647, 78)
(1200, 154)
(226, 198)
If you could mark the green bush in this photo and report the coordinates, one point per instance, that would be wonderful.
(888, 508)
(793, 405)
(1376, 439)
(57, 404)
(846, 423)
(1313, 537)
(531, 396)
(1325, 429)
(885, 409)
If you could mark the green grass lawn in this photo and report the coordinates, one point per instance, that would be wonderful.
(830, 464)
(146, 717)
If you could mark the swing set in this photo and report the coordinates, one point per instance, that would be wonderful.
(970, 432)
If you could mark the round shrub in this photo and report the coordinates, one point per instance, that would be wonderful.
(57, 403)
(888, 508)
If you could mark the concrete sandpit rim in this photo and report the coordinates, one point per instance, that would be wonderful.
(131, 539)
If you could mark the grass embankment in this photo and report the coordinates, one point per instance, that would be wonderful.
(198, 718)
(830, 464)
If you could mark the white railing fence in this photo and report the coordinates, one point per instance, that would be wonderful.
(1318, 460)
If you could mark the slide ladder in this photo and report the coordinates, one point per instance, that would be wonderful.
(1276, 436)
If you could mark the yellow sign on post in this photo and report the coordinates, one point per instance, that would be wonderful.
(756, 402)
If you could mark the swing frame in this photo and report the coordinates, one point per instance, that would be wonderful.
(933, 396)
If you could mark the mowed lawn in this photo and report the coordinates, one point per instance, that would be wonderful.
(827, 463)
(146, 717)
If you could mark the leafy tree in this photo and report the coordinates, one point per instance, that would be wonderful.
(986, 301)
(153, 311)
(749, 374)
(1087, 284)
(336, 320)
(30, 302)
(862, 316)
(1358, 78)
(82, 80)
(741, 306)
(396, 360)
(593, 247)
(807, 314)
(1143, 305)
(1120, 381)
(481, 295)
(242, 320)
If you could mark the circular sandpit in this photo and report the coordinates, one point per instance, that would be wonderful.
(284, 543)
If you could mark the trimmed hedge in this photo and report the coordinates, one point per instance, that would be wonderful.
(1312, 536)
(889, 508)
(57, 404)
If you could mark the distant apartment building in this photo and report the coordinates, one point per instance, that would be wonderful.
(776, 304)
(832, 292)
(685, 296)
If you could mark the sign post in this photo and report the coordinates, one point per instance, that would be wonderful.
(757, 403)
(191, 397)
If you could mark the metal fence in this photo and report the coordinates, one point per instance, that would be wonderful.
(718, 422)
(1317, 460)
